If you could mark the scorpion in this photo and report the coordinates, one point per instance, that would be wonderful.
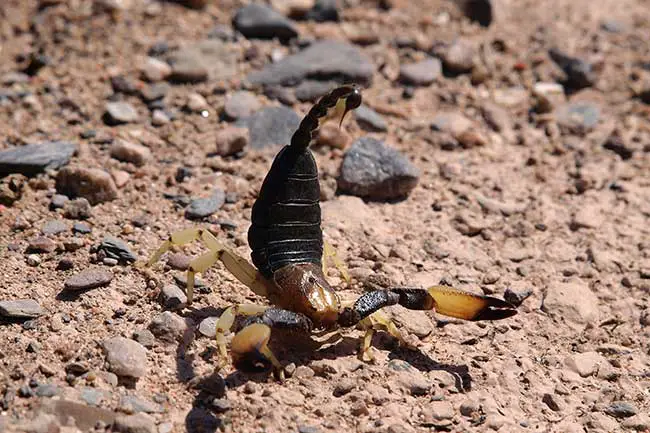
(287, 246)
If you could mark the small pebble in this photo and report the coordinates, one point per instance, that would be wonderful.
(88, 279)
(57, 201)
(136, 154)
(120, 112)
(241, 104)
(144, 337)
(54, 227)
(203, 207)
(126, 357)
(81, 228)
(172, 297)
(78, 208)
(33, 260)
(621, 409)
(208, 327)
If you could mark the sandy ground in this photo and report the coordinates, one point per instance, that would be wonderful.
(534, 207)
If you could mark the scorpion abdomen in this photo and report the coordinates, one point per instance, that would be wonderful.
(285, 227)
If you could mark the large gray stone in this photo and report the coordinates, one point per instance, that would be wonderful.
(36, 158)
(373, 170)
(256, 20)
(321, 60)
(270, 126)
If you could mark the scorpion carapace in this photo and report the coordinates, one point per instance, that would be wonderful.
(287, 247)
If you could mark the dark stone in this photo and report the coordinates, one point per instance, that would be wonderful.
(323, 10)
(204, 207)
(616, 144)
(516, 298)
(270, 126)
(260, 21)
(282, 94)
(321, 60)
(579, 73)
(621, 409)
(373, 170)
(117, 249)
(125, 85)
(478, 10)
(36, 158)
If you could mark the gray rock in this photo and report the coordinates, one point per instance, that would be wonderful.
(125, 357)
(516, 298)
(88, 279)
(36, 158)
(138, 423)
(204, 207)
(83, 417)
(47, 390)
(459, 57)
(144, 337)
(92, 396)
(169, 326)
(311, 90)
(210, 58)
(208, 327)
(241, 104)
(93, 184)
(421, 73)
(579, 73)
(57, 201)
(21, 309)
(260, 21)
(120, 112)
(621, 409)
(81, 228)
(78, 208)
(132, 404)
(270, 126)
(172, 297)
(155, 92)
(577, 117)
(370, 120)
(54, 227)
(323, 10)
(373, 170)
(321, 59)
(116, 249)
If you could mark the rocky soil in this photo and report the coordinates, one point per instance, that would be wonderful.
(503, 147)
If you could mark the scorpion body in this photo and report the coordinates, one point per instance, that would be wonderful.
(286, 240)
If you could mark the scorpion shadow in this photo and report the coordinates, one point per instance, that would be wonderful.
(291, 348)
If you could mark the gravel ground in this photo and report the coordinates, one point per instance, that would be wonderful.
(503, 148)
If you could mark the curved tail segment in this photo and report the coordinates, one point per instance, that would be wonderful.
(335, 105)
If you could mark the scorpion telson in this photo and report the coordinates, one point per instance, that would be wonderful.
(287, 248)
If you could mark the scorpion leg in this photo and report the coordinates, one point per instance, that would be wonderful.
(236, 265)
(444, 299)
(249, 347)
(329, 252)
(377, 321)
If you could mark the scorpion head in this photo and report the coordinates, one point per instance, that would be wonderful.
(306, 290)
